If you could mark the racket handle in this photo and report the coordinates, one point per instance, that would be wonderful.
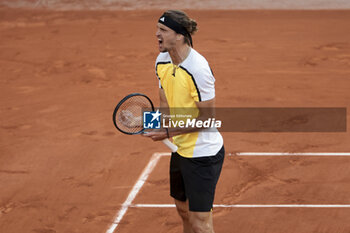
(169, 144)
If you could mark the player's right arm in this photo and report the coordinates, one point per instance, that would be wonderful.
(157, 135)
(162, 100)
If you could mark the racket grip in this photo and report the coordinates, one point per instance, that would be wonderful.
(169, 144)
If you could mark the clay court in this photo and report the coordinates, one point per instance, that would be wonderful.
(64, 168)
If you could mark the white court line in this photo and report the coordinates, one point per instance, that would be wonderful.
(248, 206)
(138, 185)
(316, 154)
(155, 158)
(290, 154)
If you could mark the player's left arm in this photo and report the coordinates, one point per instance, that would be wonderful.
(206, 110)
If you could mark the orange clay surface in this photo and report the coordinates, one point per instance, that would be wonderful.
(65, 169)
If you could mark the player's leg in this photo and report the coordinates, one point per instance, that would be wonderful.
(182, 209)
(177, 191)
(201, 222)
(200, 177)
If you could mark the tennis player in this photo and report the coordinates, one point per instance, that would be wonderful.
(186, 81)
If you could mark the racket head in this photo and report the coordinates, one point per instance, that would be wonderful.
(127, 115)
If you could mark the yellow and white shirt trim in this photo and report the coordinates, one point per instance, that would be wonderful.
(184, 85)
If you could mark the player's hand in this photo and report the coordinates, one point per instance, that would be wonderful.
(156, 135)
(128, 119)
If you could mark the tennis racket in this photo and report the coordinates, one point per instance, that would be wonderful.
(128, 116)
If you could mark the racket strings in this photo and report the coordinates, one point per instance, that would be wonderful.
(129, 115)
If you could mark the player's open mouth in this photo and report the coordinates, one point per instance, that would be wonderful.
(160, 41)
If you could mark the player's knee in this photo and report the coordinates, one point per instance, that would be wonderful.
(201, 227)
(201, 224)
